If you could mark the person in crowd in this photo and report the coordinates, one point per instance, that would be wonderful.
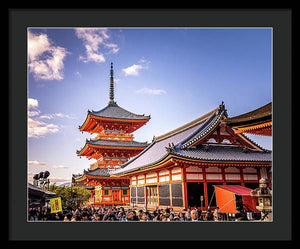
(209, 215)
(98, 217)
(171, 217)
(194, 215)
(84, 216)
(200, 214)
(172, 211)
(144, 217)
(181, 216)
(167, 212)
(216, 214)
(164, 218)
(176, 218)
(188, 215)
(157, 216)
(66, 218)
(121, 216)
(140, 214)
(130, 216)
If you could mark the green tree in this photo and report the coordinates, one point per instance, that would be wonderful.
(71, 197)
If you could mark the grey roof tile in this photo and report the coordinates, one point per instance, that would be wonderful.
(117, 143)
(224, 153)
(97, 172)
(112, 110)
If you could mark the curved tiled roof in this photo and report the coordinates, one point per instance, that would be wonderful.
(97, 172)
(224, 153)
(114, 143)
(261, 114)
(112, 110)
(117, 143)
(210, 124)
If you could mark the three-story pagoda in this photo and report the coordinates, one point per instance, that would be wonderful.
(112, 146)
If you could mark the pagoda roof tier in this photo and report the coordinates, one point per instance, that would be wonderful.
(92, 146)
(112, 110)
(97, 172)
(188, 141)
(114, 114)
(90, 176)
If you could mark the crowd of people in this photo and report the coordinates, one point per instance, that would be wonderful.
(122, 214)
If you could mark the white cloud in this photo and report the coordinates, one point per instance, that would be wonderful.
(135, 68)
(146, 90)
(38, 129)
(45, 60)
(32, 107)
(60, 166)
(33, 103)
(93, 39)
(37, 45)
(132, 70)
(36, 163)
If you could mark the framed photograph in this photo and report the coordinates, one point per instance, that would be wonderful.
(150, 120)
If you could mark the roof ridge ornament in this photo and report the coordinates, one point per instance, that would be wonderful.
(111, 88)
(222, 109)
(170, 147)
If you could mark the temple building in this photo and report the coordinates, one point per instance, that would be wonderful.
(112, 146)
(181, 168)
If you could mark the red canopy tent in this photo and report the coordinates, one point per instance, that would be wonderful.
(230, 197)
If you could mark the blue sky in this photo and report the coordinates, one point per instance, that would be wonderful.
(175, 75)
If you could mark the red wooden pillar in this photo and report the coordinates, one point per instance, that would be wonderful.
(145, 191)
(170, 187)
(205, 189)
(223, 175)
(258, 173)
(183, 173)
(157, 175)
(242, 177)
(269, 178)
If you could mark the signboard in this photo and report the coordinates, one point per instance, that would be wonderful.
(55, 204)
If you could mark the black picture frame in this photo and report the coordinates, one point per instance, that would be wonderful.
(280, 20)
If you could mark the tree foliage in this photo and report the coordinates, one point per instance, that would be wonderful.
(71, 197)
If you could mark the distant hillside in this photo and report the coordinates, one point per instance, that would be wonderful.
(67, 184)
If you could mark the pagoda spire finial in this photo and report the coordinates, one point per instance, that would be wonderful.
(111, 88)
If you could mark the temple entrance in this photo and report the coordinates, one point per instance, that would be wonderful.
(116, 195)
(152, 195)
(194, 192)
